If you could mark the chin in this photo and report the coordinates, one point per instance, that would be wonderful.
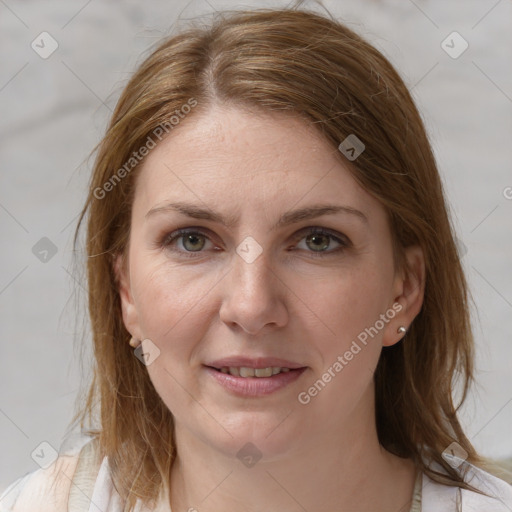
(268, 435)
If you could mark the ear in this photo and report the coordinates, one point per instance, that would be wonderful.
(130, 315)
(408, 291)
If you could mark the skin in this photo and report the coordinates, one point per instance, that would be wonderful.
(287, 303)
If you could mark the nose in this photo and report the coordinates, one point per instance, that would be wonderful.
(253, 296)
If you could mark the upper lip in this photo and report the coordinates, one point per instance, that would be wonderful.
(256, 362)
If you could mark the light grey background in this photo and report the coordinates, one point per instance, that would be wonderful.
(54, 110)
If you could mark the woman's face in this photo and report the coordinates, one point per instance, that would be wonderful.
(260, 286)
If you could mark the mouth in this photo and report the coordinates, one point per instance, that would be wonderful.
(250, 382)
(245, 372)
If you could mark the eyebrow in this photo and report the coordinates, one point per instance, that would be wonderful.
(309, 212)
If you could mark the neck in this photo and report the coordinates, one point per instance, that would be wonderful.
(343, 469)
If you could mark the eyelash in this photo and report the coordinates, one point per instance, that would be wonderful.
(168, 239)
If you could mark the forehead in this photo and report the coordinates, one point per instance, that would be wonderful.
(235, 136)
(228, 154)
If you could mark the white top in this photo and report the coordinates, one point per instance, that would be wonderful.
(92, 490)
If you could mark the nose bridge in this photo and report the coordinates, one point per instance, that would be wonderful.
(253, 273)
(253, 298)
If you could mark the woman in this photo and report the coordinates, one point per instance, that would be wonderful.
(277, 304)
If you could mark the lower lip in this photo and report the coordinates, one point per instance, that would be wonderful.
(255, 386)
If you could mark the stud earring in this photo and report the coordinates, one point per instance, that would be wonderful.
(134, 342)
(401, 329)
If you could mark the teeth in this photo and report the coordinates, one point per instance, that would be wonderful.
(246, 372)
(243, 371)
(263, 372)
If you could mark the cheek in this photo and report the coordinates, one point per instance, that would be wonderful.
(170, 304)
(169, 298)
(347, 305)
(350, 306)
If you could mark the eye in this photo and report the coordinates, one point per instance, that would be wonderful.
(192, 240)
(318, 239)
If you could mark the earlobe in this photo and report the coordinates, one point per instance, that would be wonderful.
(409, 288)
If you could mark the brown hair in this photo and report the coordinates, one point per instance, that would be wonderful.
(289, 61)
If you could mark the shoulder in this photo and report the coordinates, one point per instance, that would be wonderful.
(45, 489)
(440, 498)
